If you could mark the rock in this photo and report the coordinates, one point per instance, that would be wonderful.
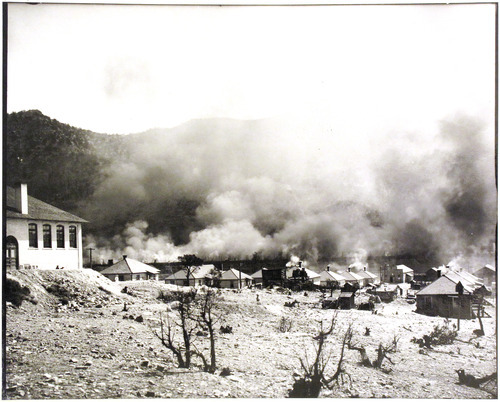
(150, 394)
(139, 319)
(160, 368)
(145, 363)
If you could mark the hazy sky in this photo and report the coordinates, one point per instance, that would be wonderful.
(350, 69)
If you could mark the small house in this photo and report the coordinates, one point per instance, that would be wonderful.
(346, 300)
(331, 279)
(488, 274)
(234, 279)
(368, 277)
(129, 269)
(386, 292)
(198, 276)
(451, 296)
(353, 278)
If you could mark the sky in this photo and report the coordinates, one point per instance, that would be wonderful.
(352, 69)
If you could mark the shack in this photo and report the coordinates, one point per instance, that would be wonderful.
(129, 269)
(273, 276)
(451, 295)
(235, 279)
(346, 300)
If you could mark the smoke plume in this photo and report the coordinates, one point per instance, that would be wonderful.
(225, 188)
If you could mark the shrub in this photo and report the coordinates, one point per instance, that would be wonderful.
(440, 335)
(63, 294)
(285, 324)
(15, 293)
(226, 329)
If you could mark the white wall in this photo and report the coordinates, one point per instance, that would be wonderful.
(46, 258)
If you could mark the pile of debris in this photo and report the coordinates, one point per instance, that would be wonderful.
(70, 289)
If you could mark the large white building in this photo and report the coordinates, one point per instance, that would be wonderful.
(39, 235)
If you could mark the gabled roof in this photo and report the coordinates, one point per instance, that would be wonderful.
(446, 285)
(258, 274)
(232, 274)
(38, 210)
(199, 272)
(405, 269)
(486, 268)
(471, 278)
(351, 276)
(130, 266)
(367, 275)
(330, 275)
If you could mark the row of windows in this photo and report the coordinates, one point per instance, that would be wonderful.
(47, 236)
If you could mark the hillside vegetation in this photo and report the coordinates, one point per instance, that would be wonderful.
(61, 164)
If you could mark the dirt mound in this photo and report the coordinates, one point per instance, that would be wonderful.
(73, 288)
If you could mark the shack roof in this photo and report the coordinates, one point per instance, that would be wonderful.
(366, 274)
(446, 285)
(232, 274)
(346, 294)
(130, 266)
(38, 210)
(332, 276)
(197, 272)
(258, 274)
(351, 276)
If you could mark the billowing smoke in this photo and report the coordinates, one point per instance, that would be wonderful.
(234, 189)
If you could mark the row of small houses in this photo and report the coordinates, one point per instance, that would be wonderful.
(451, 294)
(129, 269)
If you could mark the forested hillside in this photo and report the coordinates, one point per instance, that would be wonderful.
(61, 164)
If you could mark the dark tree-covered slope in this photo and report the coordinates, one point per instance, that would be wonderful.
(61, 164)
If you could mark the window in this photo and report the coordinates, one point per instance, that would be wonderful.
(60, 236)
(72, 236)
(47, 236)
(33, 235)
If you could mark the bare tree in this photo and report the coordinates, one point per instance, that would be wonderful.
(207, 319)
(309, 386)
(187, 325)
(196, 313)
(382, 352)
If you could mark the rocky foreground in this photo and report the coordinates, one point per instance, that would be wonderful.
(92, 348)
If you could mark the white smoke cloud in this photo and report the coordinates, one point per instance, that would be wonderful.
(226, 188)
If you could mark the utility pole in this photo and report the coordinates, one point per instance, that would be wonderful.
(90, 252)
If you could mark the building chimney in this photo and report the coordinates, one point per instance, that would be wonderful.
(125, 256)
(348, 269)
(300, 264)
(328, 268)
(438, 272)
(21, 198)
(364, 268)
(110, 262)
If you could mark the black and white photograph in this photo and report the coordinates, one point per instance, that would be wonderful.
(230, 200)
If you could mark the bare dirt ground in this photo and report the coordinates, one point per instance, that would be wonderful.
(93, 349)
